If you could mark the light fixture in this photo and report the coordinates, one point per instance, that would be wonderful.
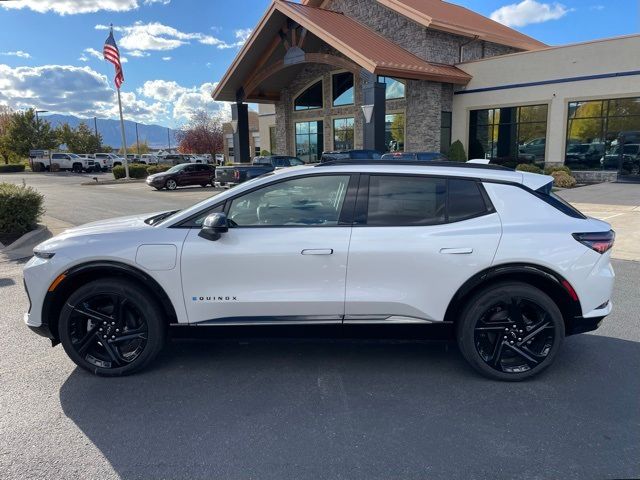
(368, 112)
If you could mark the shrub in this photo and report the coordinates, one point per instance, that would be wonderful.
(20, 208)
(157, 169)
(528, 167)
(557, 168)
(12, 167)
(136, 170)
(563, 180)
(265, 153)
(456, 152)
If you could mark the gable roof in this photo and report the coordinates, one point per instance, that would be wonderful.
(357, 42)
(449, 17)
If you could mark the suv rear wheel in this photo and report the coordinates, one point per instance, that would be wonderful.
(510, 331)
(111, 327)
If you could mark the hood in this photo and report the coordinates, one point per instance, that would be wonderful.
(110, 226)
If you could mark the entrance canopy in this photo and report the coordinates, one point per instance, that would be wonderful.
(291, 35)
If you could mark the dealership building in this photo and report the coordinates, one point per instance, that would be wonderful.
(416, 75)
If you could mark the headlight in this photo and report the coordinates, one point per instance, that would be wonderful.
(43, 255)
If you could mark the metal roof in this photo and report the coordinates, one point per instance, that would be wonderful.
(449, 17)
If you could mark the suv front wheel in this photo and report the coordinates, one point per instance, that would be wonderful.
(111, 327)
(510, 331)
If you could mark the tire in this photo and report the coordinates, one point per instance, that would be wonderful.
(113, 308)
(171, 184)
(496, 331)
(76, 168)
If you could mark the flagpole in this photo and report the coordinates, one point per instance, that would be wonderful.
(124, 140)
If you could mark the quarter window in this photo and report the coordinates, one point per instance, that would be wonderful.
(342, 87)
(311, 98)
(406, 201)
(309, 201)
(394, 89)
(465, 200)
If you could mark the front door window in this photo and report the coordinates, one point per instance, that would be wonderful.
(309, 141)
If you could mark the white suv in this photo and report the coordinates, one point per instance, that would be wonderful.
(487, 251)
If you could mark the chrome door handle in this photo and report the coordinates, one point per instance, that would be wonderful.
(457, 251)
(317, 251)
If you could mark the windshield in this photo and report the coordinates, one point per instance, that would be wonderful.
(175, 169)
(207, 200)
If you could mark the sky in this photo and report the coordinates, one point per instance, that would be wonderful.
(174, 51)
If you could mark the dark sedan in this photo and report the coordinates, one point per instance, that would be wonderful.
(183, 175)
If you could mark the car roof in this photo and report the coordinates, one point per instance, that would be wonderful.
(451, 169)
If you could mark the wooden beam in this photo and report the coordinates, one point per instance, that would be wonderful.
(323, 58)
(303, 35)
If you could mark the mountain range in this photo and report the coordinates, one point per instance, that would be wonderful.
(154, 135)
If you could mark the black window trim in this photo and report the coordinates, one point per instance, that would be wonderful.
(345, 215)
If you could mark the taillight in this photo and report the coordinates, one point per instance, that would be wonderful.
(598, 241)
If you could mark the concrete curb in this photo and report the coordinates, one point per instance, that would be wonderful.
(23, 247)
(114, 182)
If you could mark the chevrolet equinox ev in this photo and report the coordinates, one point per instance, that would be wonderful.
(491, 252)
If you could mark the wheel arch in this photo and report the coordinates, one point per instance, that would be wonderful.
(545, 279)
(87, 272)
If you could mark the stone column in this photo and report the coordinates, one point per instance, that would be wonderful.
(373, 93)
(240, 120)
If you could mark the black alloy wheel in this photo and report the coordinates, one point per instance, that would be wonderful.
(111, 327)
(511, 331)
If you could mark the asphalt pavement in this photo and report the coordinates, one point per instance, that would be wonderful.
(311, 408)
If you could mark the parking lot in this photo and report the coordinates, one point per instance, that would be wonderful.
(308, 408)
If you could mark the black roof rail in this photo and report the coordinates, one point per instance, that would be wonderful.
(421, 163)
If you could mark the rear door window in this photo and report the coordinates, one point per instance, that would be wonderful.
(406, 200)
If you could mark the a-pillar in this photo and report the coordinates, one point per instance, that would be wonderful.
(373, 93)
(240, 122)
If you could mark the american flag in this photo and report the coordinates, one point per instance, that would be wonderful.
(112, 54)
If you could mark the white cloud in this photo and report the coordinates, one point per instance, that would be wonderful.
(72, 90)
(138, 53)
(151, 2)
(17, 53)
(185, 101)
(527, 12)
(166, 59)
(71, 7)
(163, 90)
(94, 53)
(597, 7)
(141, 37)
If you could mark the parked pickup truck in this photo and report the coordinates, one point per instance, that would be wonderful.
(238, 173)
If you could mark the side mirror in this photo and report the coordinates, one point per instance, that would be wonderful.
(214, 225)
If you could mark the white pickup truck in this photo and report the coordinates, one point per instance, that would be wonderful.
(71, 161)
(106, 161)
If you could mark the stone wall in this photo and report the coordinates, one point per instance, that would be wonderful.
(429, 44)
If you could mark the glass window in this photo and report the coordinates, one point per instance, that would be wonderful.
(310, 201)
(394, 132)
(309, 140)
(342, 86)
(445, 132)
(393, 88)
(593, 132)
(406, 201)
(465, 200)
(509, 135)
(310, 99)
(343, 131)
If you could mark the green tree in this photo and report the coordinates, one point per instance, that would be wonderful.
(80, 139)
(457, 153)
(24, 134)
(6, 115)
